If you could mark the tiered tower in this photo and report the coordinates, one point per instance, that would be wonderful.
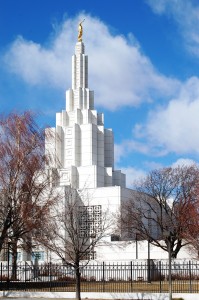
(83, 150)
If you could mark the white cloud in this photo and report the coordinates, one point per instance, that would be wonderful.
(128, 146)
(34, 64)
(175, 127)
(183, 162)
(185, 14)
(172, 128)
(119, 73)
(158, 6)
(133, 175)
(41, 65)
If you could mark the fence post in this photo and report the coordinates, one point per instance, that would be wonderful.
(148, 270)
(1, 277)
(131, 276)
(190, 283)
(25, 275)
(49, 274)
(103, 276)
(160, 274)
(8, 266)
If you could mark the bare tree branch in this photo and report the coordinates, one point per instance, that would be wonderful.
(165, 201)
(25, 187)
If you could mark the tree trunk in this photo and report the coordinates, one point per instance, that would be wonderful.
(14, 260)
(178, 246)
(175, 251)
(27, 246)
(78, 281)
(6, 226)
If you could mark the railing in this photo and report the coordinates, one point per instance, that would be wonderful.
(134, 276)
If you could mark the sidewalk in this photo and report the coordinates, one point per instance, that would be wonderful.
(93, 296)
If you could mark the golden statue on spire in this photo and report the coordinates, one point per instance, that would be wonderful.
(80, 31)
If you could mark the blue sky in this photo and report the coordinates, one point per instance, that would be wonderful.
(143, 67)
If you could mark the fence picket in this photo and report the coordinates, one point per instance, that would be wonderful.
(105, 277)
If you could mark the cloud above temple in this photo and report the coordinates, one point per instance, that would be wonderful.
(119, 73)
(183, 162)
(185, 15)
(133, 175)
(174, 126)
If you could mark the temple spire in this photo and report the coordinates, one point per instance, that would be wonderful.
(79, 96)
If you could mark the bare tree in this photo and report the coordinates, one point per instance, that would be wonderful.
(190, 215)
(76, 230)
(164, 208)
(25, 193)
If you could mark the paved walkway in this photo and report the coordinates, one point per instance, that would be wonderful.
(14, 295)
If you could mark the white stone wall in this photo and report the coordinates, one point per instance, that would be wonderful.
(126, 251)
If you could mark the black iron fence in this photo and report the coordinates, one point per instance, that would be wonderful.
(133, 276)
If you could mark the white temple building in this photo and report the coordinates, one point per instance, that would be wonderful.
(82, 148)
(83, 152)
